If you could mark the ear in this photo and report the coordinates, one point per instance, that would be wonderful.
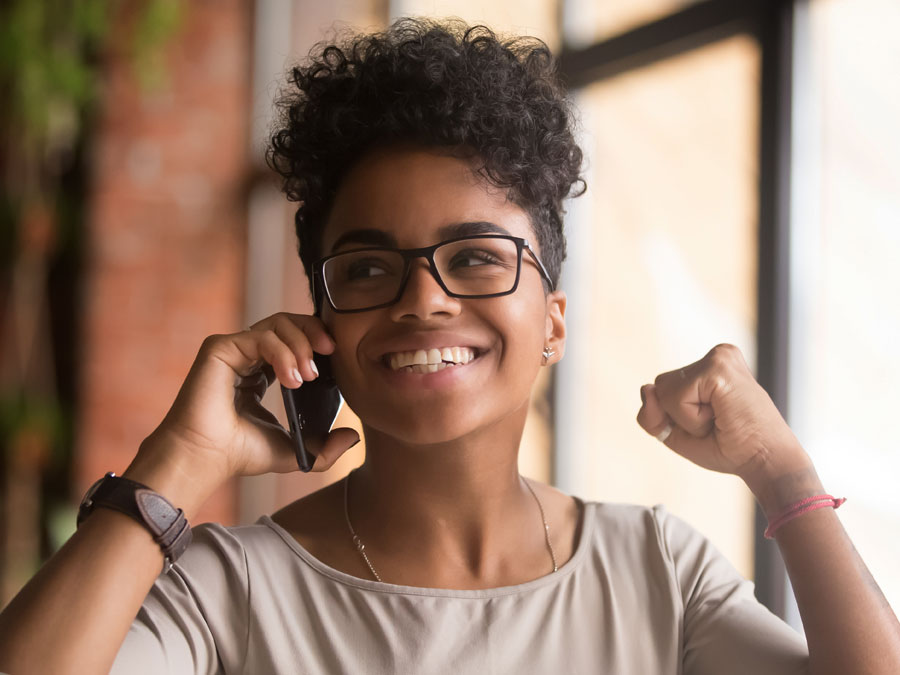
(555, 335)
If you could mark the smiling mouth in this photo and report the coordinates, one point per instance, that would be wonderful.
(424, 361)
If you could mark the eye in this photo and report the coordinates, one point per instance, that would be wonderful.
(474, 258)
(365, 269)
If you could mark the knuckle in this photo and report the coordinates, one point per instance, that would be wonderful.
(210, 343)
(725, 348)
(282, 319)
(297, 342)
(723, 354)
(268, 335)
(300, 345)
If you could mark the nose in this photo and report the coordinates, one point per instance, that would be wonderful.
(423, 295)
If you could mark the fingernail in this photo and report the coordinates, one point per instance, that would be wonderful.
(312, 364)
(296, 374)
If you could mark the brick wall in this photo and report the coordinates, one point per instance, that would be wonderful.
(167, 234)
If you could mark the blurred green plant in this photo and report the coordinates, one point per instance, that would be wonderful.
(50, 66)
(51, 76)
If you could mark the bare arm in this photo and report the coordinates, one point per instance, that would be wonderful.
(715, 413)
(74, 614)
(849, 625)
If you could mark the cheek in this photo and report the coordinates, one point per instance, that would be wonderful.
(521, 327)
(347, 334)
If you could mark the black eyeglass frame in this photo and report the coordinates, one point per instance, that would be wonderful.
(426, 252)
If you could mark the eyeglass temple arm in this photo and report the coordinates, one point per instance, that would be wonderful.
(312, 289)
(540, 265)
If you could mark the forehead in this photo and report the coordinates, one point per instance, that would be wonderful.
(414, 194)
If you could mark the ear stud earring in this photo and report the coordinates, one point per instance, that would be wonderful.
(547, 353)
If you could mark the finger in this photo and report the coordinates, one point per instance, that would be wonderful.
(280, 356)
(248, 397)
(267, 432)
(314, 329)
(316, 332)
(293, 333)
(656, 422)
(272, 434)
(256, 411)
(236, 360)
(679, 392)
(254, 385)
(651, 417)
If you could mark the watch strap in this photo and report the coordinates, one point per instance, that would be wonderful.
(167, 524)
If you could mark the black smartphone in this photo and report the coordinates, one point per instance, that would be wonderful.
(311, 410)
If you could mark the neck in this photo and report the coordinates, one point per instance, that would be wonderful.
(458, 505)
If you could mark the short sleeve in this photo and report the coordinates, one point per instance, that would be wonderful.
(195, 617)
(726, 629)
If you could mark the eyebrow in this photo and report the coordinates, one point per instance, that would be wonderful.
(382, 238)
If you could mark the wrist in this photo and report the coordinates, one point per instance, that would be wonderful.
(165, 469)
(783, 479)
(167, 524)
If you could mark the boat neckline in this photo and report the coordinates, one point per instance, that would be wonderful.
(587, 520)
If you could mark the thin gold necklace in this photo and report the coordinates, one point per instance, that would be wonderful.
(362, 548)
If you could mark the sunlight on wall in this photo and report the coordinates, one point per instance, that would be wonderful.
(528, 17)
(588, 21)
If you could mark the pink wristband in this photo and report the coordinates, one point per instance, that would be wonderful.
(801, 507)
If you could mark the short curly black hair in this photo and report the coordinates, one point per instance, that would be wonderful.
(439, 84)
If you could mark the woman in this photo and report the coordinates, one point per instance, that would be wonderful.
(431, 162)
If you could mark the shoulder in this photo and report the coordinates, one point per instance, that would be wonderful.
(640, 530)
(655, 519)
(615, 518)
(667, 545)
(218, 554)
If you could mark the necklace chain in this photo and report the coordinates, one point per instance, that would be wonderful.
(362, 547)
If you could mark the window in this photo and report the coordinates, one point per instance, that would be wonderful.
(844, 393)
(662, 267)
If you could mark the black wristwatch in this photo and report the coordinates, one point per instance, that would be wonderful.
(167, 524)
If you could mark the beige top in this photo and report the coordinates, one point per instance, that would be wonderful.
(644, 593)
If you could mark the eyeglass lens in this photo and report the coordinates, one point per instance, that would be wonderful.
(481, 266)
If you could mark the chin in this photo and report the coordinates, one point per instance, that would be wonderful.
(427, 434)
(425, 430)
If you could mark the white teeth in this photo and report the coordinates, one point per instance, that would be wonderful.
(421, 360)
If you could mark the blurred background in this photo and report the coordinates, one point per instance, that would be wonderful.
(743, 174)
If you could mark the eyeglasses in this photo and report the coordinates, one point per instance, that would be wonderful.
(479, 266)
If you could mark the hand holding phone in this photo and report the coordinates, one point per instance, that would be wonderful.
(311, 410)
(217, 426)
